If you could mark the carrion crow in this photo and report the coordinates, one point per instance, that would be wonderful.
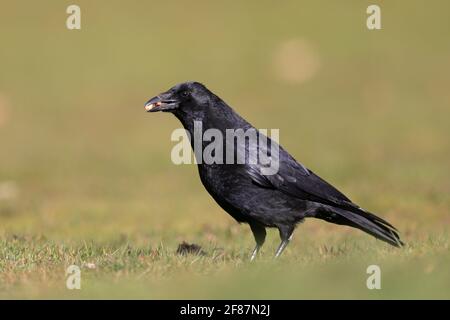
(279, 200)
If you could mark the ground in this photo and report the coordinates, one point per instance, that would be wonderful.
(86, 176)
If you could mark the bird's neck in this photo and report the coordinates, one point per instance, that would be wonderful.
(219, 117)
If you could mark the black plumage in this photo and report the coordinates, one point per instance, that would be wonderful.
(279, 200)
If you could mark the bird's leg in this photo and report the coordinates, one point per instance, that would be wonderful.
(259, 232)
(286, 236)
(255, 252)
(281, 248)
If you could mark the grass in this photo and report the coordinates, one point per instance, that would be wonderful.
(34, 268)
(86, 176)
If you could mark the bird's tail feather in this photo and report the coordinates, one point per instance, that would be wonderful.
(369, 223)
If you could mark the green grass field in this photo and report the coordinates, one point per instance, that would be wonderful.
(86, 176)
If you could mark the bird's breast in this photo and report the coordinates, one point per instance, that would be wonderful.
(222, 179)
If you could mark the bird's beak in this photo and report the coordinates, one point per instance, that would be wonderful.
(161, 103)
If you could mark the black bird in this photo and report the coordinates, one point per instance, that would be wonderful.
(279, 200)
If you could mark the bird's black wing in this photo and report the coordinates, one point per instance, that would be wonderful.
(296, 180)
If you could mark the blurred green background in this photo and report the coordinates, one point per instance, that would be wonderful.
(86, 175)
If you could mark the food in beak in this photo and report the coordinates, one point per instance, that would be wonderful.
(150, 106)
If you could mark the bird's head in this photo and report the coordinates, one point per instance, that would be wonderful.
(187, 97)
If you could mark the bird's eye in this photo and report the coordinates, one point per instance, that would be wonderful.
(185, 94)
